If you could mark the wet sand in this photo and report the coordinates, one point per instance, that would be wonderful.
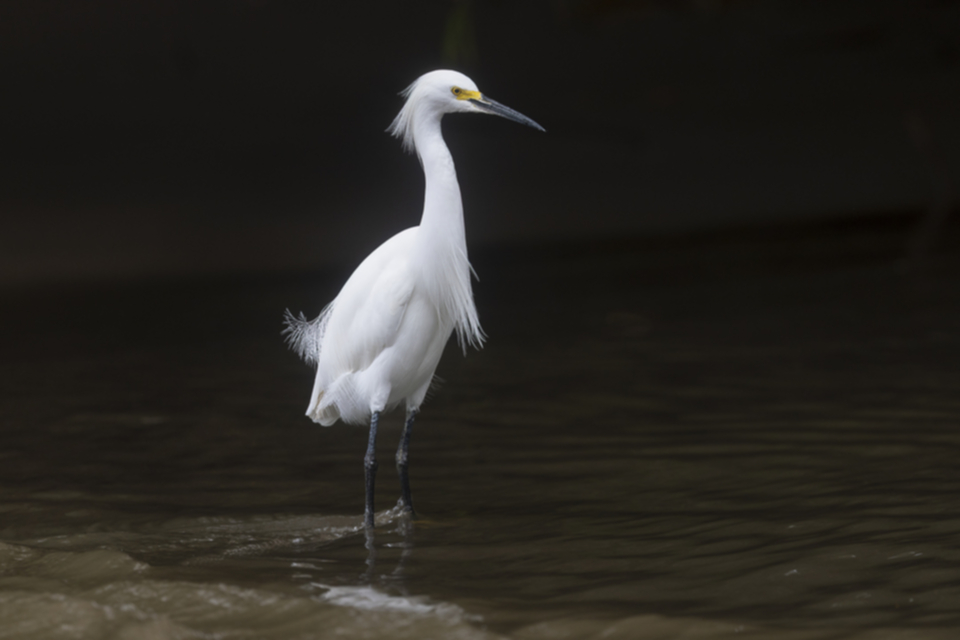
(740, 435)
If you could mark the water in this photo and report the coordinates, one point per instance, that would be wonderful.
(706, 439)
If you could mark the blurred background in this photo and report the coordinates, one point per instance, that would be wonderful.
(169, 137)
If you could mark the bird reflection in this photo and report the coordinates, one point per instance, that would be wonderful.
(405, 528)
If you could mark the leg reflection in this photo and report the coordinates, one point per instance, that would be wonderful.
(371, 544)
(396, 578)
(405, 526)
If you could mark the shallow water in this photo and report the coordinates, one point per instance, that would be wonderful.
(729, 439)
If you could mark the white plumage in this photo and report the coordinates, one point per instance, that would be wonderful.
(380, 340)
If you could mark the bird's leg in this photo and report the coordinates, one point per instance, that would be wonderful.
(402, 458)
(370, 469)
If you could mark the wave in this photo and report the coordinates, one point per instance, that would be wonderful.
(208, 578)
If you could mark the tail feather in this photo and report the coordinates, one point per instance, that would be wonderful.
(305, 336)
(339, 400)
(322, 413)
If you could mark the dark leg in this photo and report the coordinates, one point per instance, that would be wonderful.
(402, 458)
(370, 469)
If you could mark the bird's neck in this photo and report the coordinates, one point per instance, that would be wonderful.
(440, 258)
(442, 220)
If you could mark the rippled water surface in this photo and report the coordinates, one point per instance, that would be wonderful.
(715, 440)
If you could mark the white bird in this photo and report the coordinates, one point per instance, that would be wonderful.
(380, 340)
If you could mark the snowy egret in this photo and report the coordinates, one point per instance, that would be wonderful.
(380, 340)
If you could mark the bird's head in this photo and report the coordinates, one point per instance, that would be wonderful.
(438, 92)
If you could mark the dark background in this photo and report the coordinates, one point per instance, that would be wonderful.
(165, 137)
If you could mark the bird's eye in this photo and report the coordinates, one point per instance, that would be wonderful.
(456, 91)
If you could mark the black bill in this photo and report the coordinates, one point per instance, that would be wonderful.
(494, 107)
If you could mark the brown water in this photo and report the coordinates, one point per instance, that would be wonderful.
(715, 439)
